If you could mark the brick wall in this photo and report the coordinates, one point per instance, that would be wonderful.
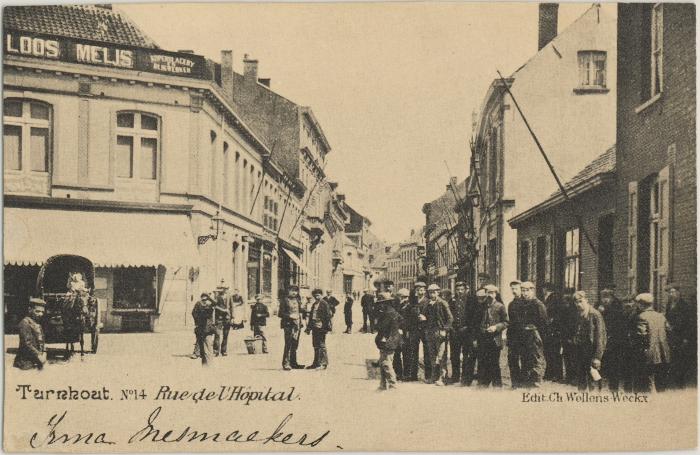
(273, 118)
(554, 222)
(643, 138)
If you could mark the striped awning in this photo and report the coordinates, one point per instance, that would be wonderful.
(297, 260)
(108, 239)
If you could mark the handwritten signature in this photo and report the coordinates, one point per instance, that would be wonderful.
(153, 433)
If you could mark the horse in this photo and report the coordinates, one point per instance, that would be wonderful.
(77, 316)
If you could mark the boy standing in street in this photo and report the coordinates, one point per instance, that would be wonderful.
(258, 320)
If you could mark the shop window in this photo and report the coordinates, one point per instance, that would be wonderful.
(134, 288)
(572, 260)
(267, 273)
(27, 136)
(138, 137)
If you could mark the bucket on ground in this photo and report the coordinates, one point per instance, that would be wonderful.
(253, 345)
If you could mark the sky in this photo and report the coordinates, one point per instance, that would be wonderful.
(394, 85)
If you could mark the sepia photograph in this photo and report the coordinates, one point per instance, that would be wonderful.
(383, 226)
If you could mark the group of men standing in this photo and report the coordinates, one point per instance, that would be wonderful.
(213, 319)
(629, 343)
(563, 339)
(468, 327)
(318, 320)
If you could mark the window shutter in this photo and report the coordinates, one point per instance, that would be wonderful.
(664, 229)
(632, 237)
(531, 262)
(548, 258)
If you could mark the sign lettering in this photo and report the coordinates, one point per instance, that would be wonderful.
(104, 54)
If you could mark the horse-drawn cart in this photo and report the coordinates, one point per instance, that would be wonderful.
(66, 284)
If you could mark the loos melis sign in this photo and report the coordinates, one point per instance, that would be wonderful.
(101, 54)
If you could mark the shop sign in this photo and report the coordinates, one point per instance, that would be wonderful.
(104, 54)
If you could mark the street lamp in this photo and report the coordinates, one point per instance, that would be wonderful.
(216, 226)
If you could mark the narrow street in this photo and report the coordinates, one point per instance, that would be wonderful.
(340, 398)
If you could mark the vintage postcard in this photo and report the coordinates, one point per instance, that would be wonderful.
(363, 226)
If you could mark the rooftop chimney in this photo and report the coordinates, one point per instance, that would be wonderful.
(250, 68)
(227, 73)
(549, 16)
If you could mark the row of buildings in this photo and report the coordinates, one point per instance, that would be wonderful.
(612, 102)
(170, 171)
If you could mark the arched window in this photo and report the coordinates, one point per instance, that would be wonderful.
(27, 135)
(138, 135)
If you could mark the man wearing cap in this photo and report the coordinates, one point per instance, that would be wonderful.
(529, 319)
(590, 338)
(493, 320)
(367, 303)
(462, 338)
(438, 321)
(204, 326)
(319, 325)
(31, 338)
(682, 316)
(414, 323)
(651, 346)
(388, 339)
(290, 313)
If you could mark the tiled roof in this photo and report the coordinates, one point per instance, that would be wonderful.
(604, 163)
(89, 22)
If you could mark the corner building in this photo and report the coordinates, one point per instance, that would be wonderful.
(135, 158)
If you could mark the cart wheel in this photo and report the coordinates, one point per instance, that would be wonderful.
(95, 339)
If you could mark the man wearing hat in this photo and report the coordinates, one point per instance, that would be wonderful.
(438, 321)
(651, 346)
(291, 316)
(224, 310)
(400, 304)
(414, 324)
(388, 339)
(319, 325)
(347, 312)
(528, 318)
(31, 338)
(204, 326)
(682, 316)
(367, 303)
